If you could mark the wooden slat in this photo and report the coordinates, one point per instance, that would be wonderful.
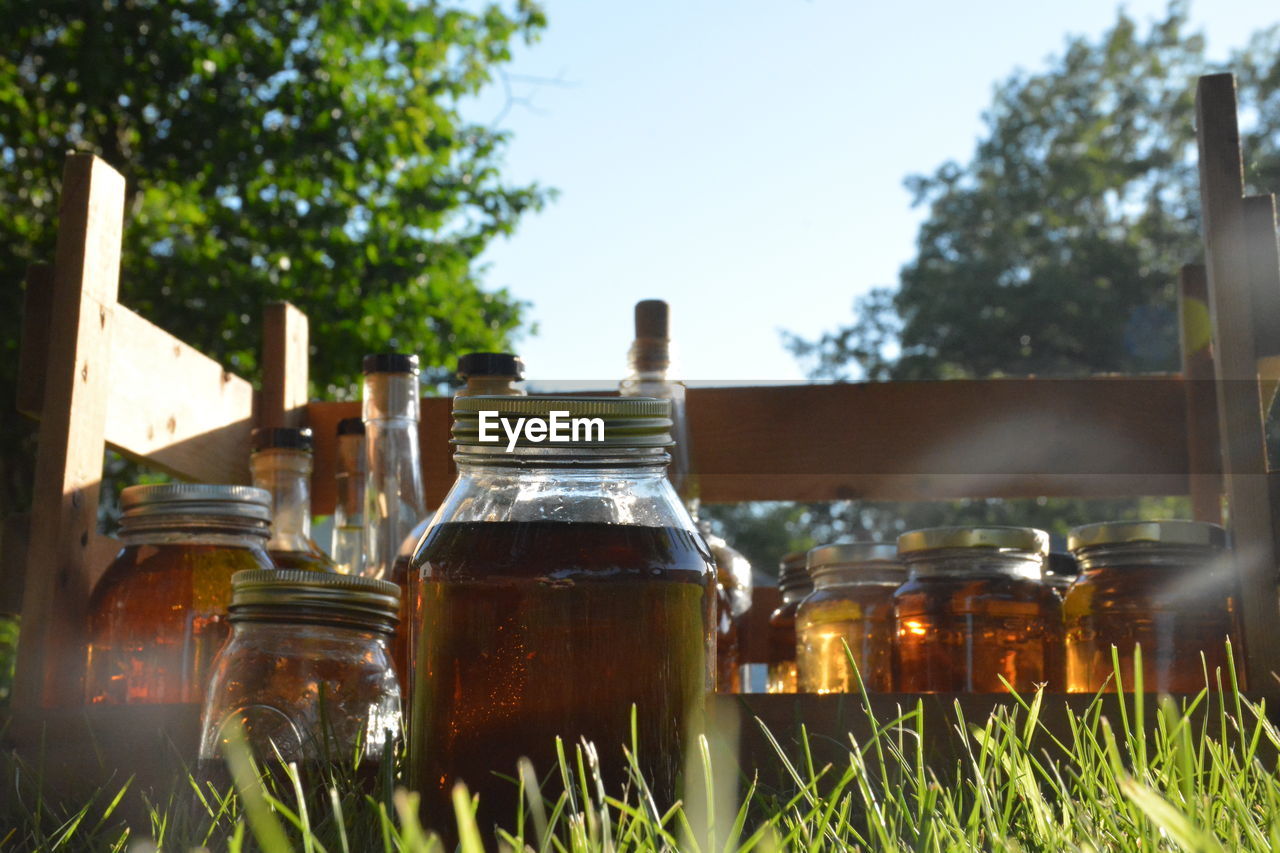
(37, 305)
(935, 440)
(1232, 308)
(13, 561)
(285, 359)
(1203, 453)
(69, 462)
(175, 408)
(892, 441)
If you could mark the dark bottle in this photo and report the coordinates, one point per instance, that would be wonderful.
(974, 610)
(1169, 586)
(281, 464)
(794, 583)
(560, 585)
(158, 615)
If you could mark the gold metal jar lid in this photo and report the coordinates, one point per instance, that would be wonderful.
(1168, 532)
(998, 538)
(293, 590)
(844, 553)
(202, 499)
(627, 421)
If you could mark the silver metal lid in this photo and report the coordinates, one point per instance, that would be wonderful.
(1175, 532)
(294, 590)
(239, 502)
(992, 538)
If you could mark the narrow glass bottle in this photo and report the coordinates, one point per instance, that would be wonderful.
(281, 464)
(393, 499)
(348, 512)
(650, 361)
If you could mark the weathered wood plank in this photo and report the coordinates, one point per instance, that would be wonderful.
(1203, 452)
(285, 364)
(1233, 310)
(69, 462)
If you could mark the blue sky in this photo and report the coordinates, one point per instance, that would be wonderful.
(743, 159)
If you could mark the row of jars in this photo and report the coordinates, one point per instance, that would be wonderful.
(971, 610)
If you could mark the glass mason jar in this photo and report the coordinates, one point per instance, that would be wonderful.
(794, 584)
(1169, 586)
(974, 609)
(158, 615)
(851, 603)
(306, 673)
(560, 583)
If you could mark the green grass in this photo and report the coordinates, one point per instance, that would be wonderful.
(1196, 776)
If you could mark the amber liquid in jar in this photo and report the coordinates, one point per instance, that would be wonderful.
(782, 650)
(157, 618)
(860, 617)
(962, 634)
(1174, 613)
(531, 630)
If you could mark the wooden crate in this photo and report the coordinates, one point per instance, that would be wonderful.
(97, 375)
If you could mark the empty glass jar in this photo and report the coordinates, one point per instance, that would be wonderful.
(850, 611)
(974, 611)
(1169, 586)
(306, 672)
(158, 615)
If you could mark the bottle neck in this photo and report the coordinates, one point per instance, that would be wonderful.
(286, 474)
(393, 499)
(974, 562)
(650, 360)
(350, 478)
(496, 386)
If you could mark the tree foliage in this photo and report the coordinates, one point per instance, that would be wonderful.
(1055, 249)
(307, 151)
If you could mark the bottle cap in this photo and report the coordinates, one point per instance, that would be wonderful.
(1194, 533)
(280, 438)
(1027, 539)
(490, 364)
(626, 421)
(653, 319)
(390, 362)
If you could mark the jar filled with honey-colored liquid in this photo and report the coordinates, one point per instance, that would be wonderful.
(974, 610)
(561, 583)
(849, 612)
(1169, 586)
(158, 615)
(794, 584)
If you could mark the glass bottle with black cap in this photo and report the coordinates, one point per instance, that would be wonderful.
(348, 512)
(561, 584)
(281, 464)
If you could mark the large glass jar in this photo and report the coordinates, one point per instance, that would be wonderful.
(158, 615)
(560, 584)
(306, 674)
(974, 609)
(1169, 586)
(850, 611)
(793, 584)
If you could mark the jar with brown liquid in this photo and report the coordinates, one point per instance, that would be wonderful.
(974, 610)
(793, 584)
(1168, 586)
(560, 584)
(306, 675)
(158, 615)
(849, 612)
(281, 464)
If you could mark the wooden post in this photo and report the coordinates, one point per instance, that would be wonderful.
(285, 358)
(1232, 309)
(69, 463)
(1204, 478)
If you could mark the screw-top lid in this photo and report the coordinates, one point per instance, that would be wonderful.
(653, 319)
(1027, 539)
(847, 553)
(280, 438)
(490, 364)
(214, 501)
(627, 421)
(793, 572)
(1192, 533)
(390, 362)
(310, 595)
(351, 426)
